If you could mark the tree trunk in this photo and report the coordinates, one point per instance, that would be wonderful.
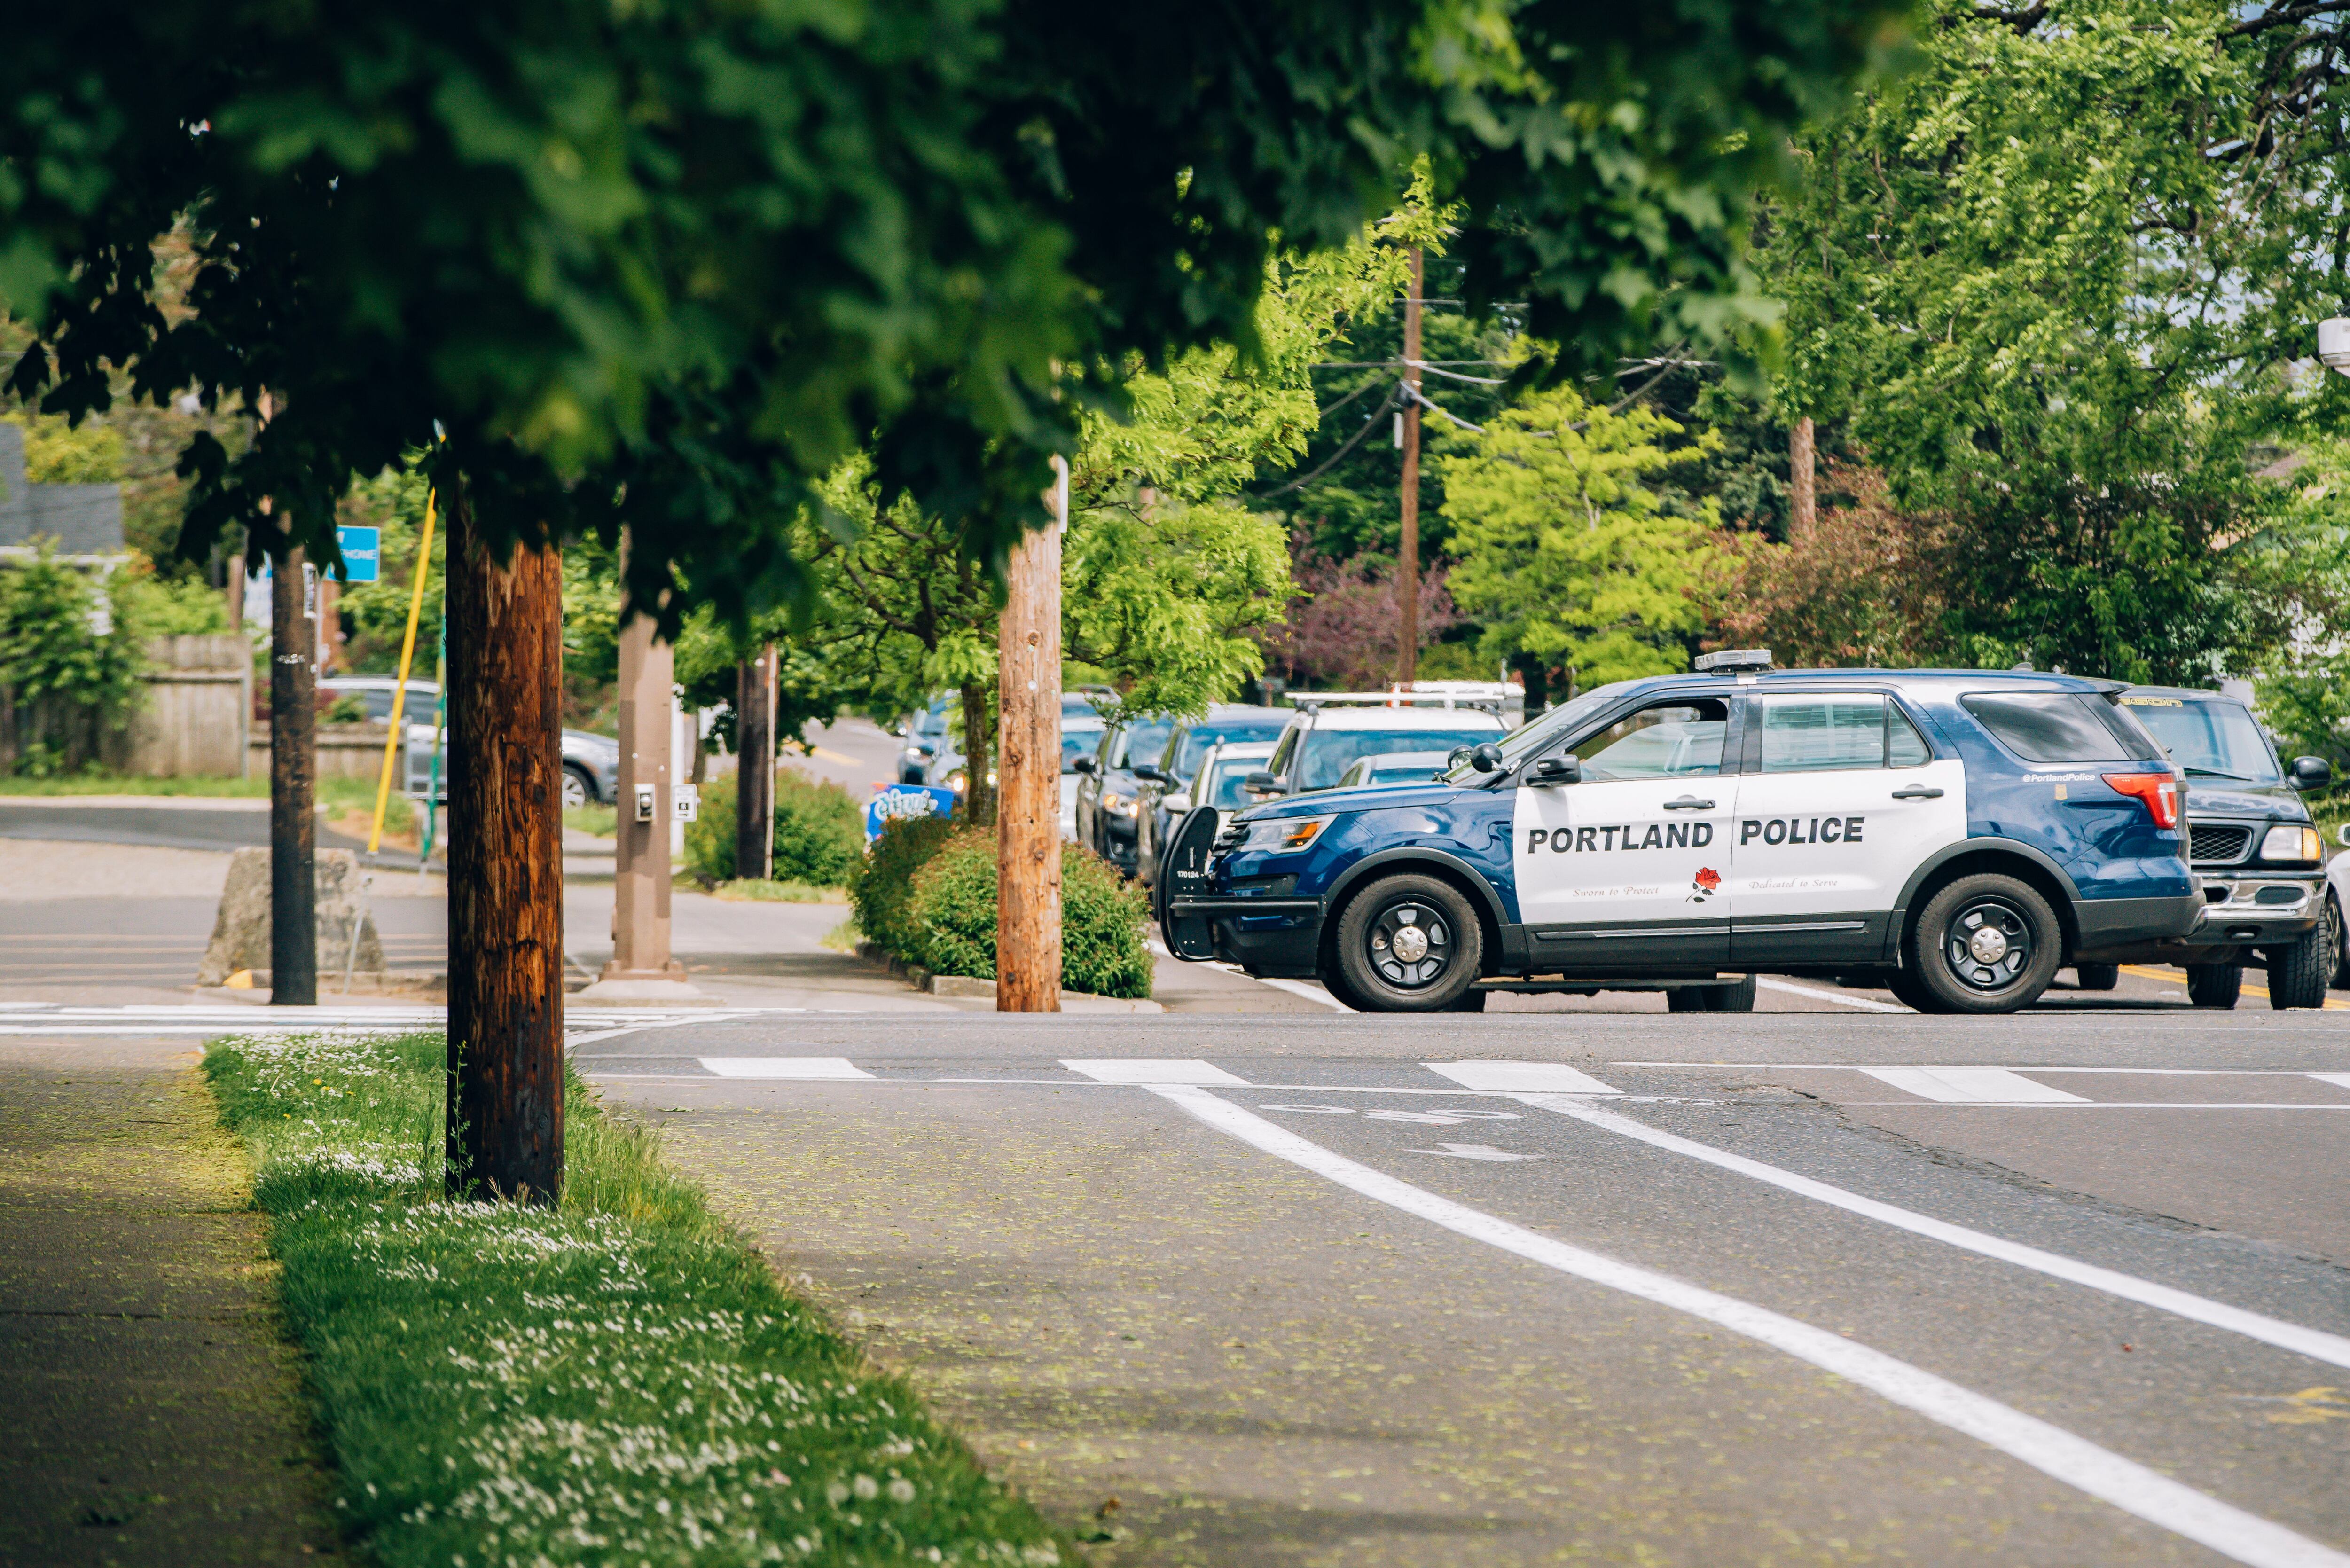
(754, 773)
(293, 789)
(1802, 488)
(979, 796)
(1028, 832)
(505, 868)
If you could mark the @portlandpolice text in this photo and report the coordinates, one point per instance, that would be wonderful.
(1694, 834)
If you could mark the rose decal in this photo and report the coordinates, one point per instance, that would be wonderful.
(1705, 884)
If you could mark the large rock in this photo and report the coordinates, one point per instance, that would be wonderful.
(241, 930)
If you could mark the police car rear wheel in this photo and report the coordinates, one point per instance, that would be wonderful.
(1986, 944)
(1409, 944)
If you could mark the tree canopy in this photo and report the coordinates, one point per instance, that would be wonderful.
(665, 265)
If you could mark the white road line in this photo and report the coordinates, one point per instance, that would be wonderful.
(1521, 1078)
(1858, 1067)
(1866, 1003)
(2316, 1344)
(802, 1067)
(1152, 1071)
(1969, 1085)
(1303, 987)
(2339, 1080)
(2075, 1461)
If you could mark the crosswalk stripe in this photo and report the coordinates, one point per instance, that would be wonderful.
(800, 1067)
(1969, 1085)
(1152, 1070)
(1521, 1078)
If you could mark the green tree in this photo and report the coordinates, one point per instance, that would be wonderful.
(1566, 546)
(2051, 279)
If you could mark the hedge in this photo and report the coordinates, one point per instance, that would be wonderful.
(948, 923)
(820, 832)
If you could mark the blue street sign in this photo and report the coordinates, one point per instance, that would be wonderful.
(906, 801)
(362, 553)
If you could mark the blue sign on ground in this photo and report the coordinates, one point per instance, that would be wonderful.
(362, 553)
(901, 802)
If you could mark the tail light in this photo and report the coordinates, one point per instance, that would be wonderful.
(2159, 791)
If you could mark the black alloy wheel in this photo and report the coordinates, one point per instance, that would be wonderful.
(1986, 943)
(1409, 944)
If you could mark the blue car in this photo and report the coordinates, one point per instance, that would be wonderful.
(1954, 836)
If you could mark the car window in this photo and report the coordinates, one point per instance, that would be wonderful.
(1904, 746)
(1666, 739)
(1807, 734)
(1199, 737)
(1329, 751)
(1223, 786)
(1143, 741)
(1278, 765)
(2052, 726)
(2210, 740)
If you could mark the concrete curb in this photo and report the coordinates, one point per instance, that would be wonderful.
(964, 985)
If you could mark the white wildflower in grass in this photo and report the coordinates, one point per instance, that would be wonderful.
(621, 1382)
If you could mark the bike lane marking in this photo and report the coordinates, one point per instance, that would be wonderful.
(2061, 1455)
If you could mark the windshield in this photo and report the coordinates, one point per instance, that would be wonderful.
(1077, 740)
(1329, 752)
(1199, 737)
(1145, 741)
(1222, 789)
(2210, 740)
(1518, 743)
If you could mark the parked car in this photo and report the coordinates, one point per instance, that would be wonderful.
(1216, 781)
(592, 763)
(2254, 847)
(1171, 771)
(1957, 837)
(1395, 767)
(375, 691)
(1109, 794)
(925, 736)
(1319, 743)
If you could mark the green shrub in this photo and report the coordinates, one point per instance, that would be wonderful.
(820, 832)
(882, 888)
(1102, 946)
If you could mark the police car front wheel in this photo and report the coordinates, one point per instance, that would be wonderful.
(1409, 944)
(1986, 943)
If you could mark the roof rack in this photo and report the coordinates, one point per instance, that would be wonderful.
(1491, 696)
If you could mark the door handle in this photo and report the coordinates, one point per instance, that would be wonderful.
(1916, 791)
(1691, 803)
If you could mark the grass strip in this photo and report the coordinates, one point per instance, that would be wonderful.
(622, 1381)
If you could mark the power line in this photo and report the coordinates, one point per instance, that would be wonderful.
(1370, 424)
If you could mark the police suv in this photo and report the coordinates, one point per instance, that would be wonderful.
(1955, 836)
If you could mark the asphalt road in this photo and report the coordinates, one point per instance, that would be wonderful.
(1833, 1287)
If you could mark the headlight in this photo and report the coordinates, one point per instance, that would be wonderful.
(2292, 842)
(1284, 834)
(1118, 804)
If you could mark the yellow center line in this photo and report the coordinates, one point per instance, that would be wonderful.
(2178, 977)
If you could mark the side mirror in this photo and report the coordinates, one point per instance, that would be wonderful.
(1486, 757)
(1261, 783)
(1552, 772)
(2342, 836)
(2312, 773)
(926, 748)
(1153, 773)
(1084, 765)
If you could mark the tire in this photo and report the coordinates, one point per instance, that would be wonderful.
(2300, 975)
(579, 789)
(1444, 959)
(2096, 976)
(1903, 984)
(2341, 940)
(1984, 944)
(2214, 984)
(1737, 996)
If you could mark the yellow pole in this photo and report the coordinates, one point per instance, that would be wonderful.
(399, 693)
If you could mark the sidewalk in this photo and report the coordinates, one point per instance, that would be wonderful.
(154, 1414)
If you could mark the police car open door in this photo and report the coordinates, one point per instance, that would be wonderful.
(1625, 871)
(1843, 798)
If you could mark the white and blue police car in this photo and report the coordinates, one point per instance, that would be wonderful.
(1954, 836)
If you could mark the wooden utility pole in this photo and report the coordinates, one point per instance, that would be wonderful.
(1408, 552)
(1028, 768)
(504, 629)
(641, 969)
(1802, 488)
(755, 772)
(293, 788)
